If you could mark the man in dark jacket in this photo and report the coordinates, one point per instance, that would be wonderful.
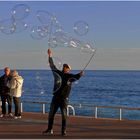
(60, 96)
(4, 93)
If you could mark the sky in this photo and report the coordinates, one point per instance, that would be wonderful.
(114, 29)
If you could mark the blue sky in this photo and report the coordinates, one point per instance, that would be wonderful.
(113, 25)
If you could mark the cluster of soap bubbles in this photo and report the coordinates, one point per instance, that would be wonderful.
(49, 27)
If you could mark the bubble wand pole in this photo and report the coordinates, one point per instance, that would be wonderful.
(89, 60)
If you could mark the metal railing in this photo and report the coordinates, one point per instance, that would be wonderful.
(118, 108)
(71, 108)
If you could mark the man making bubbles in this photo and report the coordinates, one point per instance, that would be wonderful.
(60, 96)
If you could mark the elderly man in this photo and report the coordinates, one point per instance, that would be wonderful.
(60, 96)
(4, 92)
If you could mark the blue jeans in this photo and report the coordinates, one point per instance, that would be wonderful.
(7, 98)
(55, 104)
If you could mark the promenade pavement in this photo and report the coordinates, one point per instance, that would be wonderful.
(31, 125)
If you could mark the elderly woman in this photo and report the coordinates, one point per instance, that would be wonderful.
(15, 86)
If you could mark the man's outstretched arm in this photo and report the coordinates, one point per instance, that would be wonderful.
(77, 76)
(51, 63)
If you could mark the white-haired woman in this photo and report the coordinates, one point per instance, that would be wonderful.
(15, 86)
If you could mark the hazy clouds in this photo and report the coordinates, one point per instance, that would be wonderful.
(105, 58)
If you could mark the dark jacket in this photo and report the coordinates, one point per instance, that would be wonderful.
(63, 87)
(3, 84)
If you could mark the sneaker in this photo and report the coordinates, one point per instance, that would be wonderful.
(2, 115)
(47, 132)
(10, 115)
(63, 133)
(19, 117)
(15, 117)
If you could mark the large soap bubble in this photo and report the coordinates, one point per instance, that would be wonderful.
(20, 11)
(45, 17)
(7, 26)
(81, 28)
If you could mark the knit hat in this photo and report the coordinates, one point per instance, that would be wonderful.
(67, 66)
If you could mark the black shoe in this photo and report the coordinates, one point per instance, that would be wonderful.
(63, 133)
(48, 132)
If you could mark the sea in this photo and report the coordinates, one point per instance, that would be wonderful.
(109, 88)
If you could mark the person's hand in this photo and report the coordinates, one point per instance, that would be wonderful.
(49, 53)
(82, 73)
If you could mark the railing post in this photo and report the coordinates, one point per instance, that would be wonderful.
(43, 109)
(120, 114)
(21, 107)
(96, 112)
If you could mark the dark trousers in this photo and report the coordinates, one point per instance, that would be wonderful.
(55, 104)
(17, 106)
(7, 98)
